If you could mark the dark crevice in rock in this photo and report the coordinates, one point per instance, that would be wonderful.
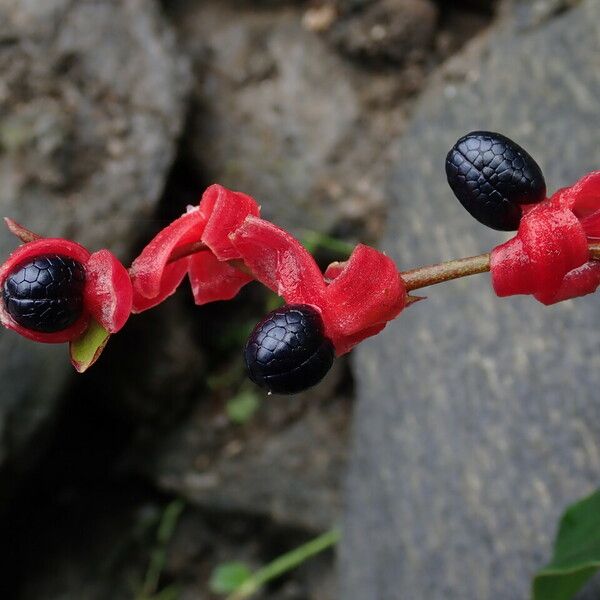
(71, 477)
(461, 21)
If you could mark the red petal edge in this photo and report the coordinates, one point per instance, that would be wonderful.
(362, 298)
(212, 280)
(225, 211)
(26, 252)
(550, 244)
(153, 279)
(279, 261)
(108, 291)
(579, 282)
(583, 197)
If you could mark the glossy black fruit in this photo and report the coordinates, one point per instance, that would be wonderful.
(288, 352)
(45, 293)
(492, 176)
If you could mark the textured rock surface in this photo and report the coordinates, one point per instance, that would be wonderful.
(91, 96)
(277, 113)
(286, 465)
(478, 419)
(297, 103)
(389, 30)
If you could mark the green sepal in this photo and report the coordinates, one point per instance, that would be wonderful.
(86, 349)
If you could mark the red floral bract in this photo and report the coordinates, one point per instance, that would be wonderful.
(155, 277)
(356, 298)
(549, 257)
(107, 295)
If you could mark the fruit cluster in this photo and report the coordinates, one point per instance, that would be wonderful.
(54, 290)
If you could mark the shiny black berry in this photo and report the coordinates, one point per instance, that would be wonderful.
(492, 176)
(45, 293)
(288, 352)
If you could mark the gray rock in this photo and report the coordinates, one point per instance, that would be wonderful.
(91, 97)
(274, 106)
(478, 418)
(530, 13)
(276, 114)
(397, 31)
(286, 464)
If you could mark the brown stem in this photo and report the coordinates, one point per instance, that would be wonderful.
(462, 267)
(595, 251)
(240, 265)
(453, 269)
(414, 279)
(187, 250)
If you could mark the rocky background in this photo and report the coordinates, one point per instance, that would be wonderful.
(447, 447)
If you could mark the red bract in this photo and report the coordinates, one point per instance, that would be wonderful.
(356, 298)
(155, 275)
(107, 293)
(549, 257)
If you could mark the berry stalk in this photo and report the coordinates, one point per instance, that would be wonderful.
(453, 269)
(187, 250)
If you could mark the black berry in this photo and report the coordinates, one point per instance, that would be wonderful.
(288, 352)
(45, 293)
(492, 176)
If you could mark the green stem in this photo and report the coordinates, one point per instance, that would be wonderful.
(158, 557)
(285, 563)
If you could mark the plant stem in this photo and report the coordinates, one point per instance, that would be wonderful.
(414, 279)
(158, 556)
(453, 269)
(595, 251)
(285, 563)
(187, 250)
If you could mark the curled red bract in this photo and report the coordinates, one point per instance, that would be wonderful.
(549, 257)
(156, 275)
(356, 298)
(107, 295)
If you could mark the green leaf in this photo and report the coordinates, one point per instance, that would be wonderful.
(241, 408)
(576, 552)
(284, 564)
(86, 349)
(158, 557)
(228, 577)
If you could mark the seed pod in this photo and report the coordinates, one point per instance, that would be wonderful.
(492, 176)
(45, 293)
(287, 352)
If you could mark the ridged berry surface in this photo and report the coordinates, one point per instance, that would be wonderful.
(491, 176)
(288, 352)
(45, 294)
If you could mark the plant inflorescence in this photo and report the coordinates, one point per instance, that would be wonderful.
(56, 291)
